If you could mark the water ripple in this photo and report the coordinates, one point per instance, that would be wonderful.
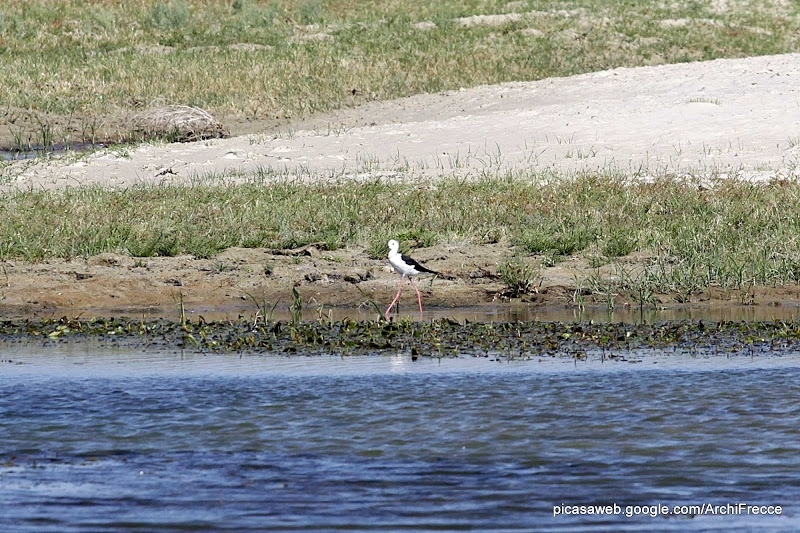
(167, 442)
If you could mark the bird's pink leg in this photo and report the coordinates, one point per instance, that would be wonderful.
(419, 296)
(399, 290)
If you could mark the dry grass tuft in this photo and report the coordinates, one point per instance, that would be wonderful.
(177, 123)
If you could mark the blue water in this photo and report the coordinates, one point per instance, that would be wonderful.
(126, 441)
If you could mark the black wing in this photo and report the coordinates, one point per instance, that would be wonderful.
(419, 268)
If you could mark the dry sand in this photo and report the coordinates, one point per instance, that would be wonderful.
(737, 118)
(725, 116)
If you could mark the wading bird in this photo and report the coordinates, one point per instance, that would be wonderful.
(407, 268)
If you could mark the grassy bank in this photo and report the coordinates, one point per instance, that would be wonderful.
(74, 70)
(670, 235)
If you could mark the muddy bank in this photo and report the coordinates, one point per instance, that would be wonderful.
(347, 282)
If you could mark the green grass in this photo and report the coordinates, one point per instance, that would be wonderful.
(69, 66)
(732, 234)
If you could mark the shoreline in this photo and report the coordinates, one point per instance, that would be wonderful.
(703, 115)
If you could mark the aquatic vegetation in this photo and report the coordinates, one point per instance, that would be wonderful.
(437, 338)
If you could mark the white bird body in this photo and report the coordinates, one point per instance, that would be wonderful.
(403, 264)
(407, 268)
